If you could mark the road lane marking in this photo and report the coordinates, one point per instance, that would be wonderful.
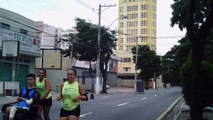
(83, 115)
(143, 98)
(122, 104)
(155, 95)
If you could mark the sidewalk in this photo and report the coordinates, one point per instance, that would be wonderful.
(181, 111)
(185, 113)
(120, 90)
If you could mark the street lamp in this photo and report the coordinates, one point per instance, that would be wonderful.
(136, 66)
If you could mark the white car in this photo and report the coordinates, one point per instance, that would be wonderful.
(107, 87)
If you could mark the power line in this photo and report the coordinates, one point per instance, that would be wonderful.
(90, 8)
(22, 7)
(145, 36)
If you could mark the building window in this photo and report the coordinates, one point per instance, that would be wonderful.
(144, 39)
(126, 59)
(129, 47)
(144, 15)
(121, 25)
(121, 9)
(144, 7)
(23, 31)
(132, 8)
(132, 16)
(5, 26)
(121, 40)
(132, 32)
(132, 24)
(144, 23)
(153, 32)
(154, 8)
(126, 69)
(143, 31)
(131, 39)
(154, 16)
(153, 24)
(120, 48)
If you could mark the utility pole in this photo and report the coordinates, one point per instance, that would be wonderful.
(71, 53)
(97, 86)
(136, 66)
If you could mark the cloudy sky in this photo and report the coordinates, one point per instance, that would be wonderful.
(61, 13)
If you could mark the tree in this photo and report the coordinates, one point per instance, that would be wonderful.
(148, 62)
(85, 45)
(196, 16)
(174, 59)
(170, 69)
(207, 85)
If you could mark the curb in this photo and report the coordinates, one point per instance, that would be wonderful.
(165, 113)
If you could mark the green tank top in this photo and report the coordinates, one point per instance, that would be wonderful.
(41, 86)
(70, 91)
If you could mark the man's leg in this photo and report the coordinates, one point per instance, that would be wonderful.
(6, 114)
(12, 112)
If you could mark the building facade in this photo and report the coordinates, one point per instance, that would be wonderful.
(138, 29)
(19, 46)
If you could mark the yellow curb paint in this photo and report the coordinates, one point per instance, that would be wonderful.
(163, 115)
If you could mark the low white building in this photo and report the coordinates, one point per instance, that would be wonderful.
(19, 46)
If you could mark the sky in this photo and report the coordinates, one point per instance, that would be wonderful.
(61, 13)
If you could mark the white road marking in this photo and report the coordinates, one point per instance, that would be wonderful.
(122, 104)
(155, 95)
(143, 98)
(83, 115)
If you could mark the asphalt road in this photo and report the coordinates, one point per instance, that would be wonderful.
(124, 106)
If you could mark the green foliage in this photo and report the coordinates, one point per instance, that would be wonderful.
(85, 45)
(208, 50)
(206, 85)
(180, 14)
(148, 62)
(196, 16)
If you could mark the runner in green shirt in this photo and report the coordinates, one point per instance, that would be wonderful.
(71, 94)
(43, 86)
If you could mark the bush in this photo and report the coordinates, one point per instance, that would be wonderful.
(206, 85)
